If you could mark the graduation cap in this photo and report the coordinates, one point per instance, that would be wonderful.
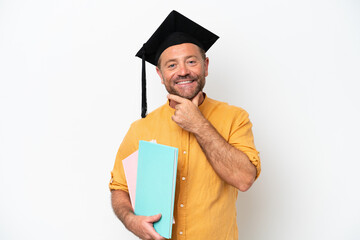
(175, 29)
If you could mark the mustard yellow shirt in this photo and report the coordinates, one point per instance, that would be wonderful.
(204, 204)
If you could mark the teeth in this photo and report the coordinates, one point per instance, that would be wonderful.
(184, 82)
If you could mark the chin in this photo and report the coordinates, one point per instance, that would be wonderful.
(190, 96)
(184, 94)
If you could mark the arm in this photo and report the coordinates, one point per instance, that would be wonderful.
(141, 226)
(232, 165)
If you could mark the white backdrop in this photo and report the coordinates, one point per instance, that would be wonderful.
(70, 87)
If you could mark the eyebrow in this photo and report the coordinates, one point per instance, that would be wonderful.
(175, 59)
(170, 60)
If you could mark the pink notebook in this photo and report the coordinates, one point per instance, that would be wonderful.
(130, 167)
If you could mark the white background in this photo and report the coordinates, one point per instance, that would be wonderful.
(70, 87)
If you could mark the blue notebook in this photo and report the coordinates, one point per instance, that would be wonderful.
(155, 184)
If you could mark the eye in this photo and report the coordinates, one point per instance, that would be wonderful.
(171, 65)
(192, 62)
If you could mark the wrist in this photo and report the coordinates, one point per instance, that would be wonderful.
(129, 219)
(204, 127)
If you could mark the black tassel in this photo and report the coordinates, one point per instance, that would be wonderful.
(143, 87)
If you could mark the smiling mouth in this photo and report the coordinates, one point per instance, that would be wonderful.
(185, 82)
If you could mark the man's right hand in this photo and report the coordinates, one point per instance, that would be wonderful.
(142, 226)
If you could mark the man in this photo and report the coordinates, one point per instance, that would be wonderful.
(217, 156)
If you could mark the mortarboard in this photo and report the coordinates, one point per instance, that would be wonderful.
(175, 29)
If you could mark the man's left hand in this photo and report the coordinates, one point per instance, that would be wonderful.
(187, 114)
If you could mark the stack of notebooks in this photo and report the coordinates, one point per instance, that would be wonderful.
(151, 177)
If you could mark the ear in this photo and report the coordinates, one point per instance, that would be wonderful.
(206, 65)
(160, 75)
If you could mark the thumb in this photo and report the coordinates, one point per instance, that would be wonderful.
(155, 218)
(196, 99)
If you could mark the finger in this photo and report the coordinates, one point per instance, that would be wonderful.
(175, 118)
(154, 218)
(196, 99)
(176, 98)
(152, 234)
(157, 236)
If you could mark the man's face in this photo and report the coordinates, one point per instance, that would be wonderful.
(183, 70)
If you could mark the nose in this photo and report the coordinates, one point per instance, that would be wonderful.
(183, 70)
